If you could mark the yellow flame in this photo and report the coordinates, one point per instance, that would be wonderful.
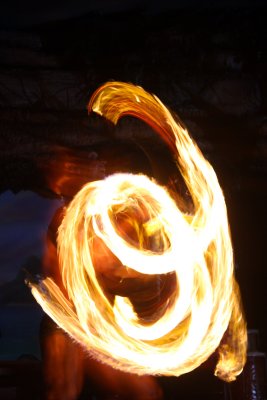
(192, 322)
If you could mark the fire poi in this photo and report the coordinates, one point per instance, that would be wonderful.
(204, 312)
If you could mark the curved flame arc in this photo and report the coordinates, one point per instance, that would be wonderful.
(196, 249)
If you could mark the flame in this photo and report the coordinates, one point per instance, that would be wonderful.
(129, 226)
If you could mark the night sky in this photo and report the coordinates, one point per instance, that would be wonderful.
(24, 220)
(16, 13)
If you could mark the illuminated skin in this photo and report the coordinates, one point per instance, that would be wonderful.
(196, 248)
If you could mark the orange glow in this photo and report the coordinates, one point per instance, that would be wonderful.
(128, 228)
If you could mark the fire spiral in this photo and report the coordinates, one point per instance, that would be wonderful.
(141, 225)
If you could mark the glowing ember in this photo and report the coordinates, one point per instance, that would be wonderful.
(131, 226)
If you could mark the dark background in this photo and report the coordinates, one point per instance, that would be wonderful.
(206, 60)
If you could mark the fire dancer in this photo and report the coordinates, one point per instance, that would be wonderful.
(120, 229)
